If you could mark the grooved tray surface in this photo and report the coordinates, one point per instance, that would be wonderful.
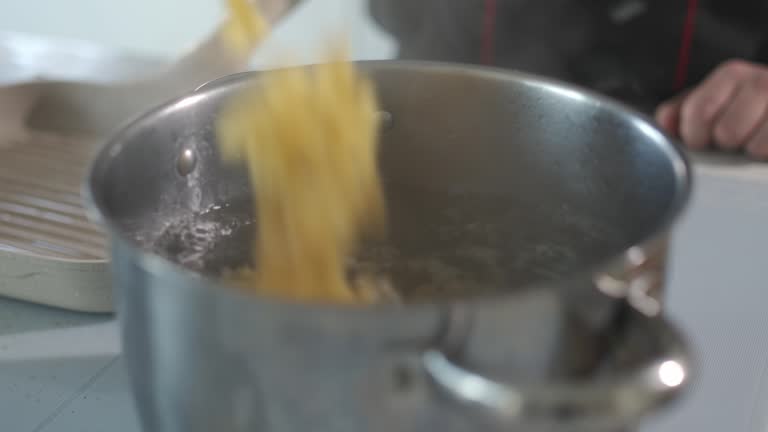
(41, 212)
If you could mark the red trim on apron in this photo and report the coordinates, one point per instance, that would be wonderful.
(488, 49)
(684, 56)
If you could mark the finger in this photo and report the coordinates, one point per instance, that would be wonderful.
(700, 110)
(743, 115)
(668, 115)
(757, 146)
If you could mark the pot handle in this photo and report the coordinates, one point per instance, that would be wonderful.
(587, 401)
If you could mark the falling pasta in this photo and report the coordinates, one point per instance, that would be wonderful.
(308, 137)
(246, 26)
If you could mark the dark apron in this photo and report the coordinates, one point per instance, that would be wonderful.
(628, 49)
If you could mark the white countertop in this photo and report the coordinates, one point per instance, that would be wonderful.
(62, 372)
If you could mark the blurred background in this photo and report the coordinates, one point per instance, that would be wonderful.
(168, 28)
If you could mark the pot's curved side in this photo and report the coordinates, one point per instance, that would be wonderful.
(595, 182)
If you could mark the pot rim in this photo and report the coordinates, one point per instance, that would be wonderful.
(157, 264)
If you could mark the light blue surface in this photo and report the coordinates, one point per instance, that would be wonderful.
(61, 372)
(49, 360)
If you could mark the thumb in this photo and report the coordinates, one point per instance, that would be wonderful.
(668, 114)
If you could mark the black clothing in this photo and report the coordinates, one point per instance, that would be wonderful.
(629, 49)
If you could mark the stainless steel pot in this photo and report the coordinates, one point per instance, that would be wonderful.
(571, 194)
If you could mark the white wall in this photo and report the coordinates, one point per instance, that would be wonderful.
(305, 32)
(167, 27)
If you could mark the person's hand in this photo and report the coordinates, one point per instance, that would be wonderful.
(728, 111)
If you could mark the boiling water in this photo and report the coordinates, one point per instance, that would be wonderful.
(208, 242)
(445, 246)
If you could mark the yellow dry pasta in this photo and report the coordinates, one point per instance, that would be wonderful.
(246, 26)
(308, 137)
